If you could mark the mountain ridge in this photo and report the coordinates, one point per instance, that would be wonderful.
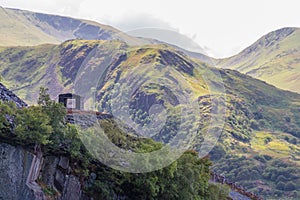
(272, 58)
(255, 111)
(260, 139)
(31, 28)
(51, 28)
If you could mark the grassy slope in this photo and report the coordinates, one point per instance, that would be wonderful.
(25, 28)
(273, 58)
(23, 67)
(255, 110)
(17, 30)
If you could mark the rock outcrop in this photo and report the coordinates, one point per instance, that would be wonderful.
(15, 165)
(26, 176)
(21, 173)
(7, 95)
(56, 175)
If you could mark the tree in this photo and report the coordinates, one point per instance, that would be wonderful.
(218, 192)
(44, 98)
(280, 185)
(7, 110)
(56, 113)
(33, 126)
(42, 123)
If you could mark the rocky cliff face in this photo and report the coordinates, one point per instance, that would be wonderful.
(21, 173)
(28, 176)
(15, 165)
(6, 95)
(55, 173)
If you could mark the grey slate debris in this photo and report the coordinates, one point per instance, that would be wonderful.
(7, 95)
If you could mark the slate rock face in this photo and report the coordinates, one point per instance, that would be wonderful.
(7, 95)
(64, 162)
(15, 165)
(72, 189)
(48, 170)
(18, 172)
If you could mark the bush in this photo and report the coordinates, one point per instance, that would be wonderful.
(267, 140)
(260, 158)
(7, 110)
(254, 124)
(280, 185)
(281, 178)
(290, 186)
(218, 192)
(33, 125)
(267, 157)
(217, 152)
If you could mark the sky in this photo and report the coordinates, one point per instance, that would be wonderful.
(221, 27)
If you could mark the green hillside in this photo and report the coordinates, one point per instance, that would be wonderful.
(274, 58)
(262, 127)
(25, 28)
(44, 125)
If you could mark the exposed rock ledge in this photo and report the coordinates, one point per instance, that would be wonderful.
(20, 169)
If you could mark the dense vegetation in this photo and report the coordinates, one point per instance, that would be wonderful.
(260, 120)
(255, 111)
(45, 125)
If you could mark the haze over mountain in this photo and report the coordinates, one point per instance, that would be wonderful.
(274, 58)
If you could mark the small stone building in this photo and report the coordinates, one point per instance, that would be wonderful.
(71, 101)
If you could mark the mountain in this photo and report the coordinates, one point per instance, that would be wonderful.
(259, 142)
(259, 145)
(61, 167)
(274, 58)
(25, 28)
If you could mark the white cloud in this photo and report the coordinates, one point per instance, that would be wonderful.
(130, 22)
(220, 25)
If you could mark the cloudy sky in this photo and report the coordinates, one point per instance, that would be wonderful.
(222, 27)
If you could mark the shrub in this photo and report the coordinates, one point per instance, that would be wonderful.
(217, 152)
(254, 124)
(218, 192)
(33, 125)
(280, 185)
(281, 178)
(290, 186)
(260, 158)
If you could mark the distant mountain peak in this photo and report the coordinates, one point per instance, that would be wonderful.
(273, 58)
(279, 34)
(270, 39)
